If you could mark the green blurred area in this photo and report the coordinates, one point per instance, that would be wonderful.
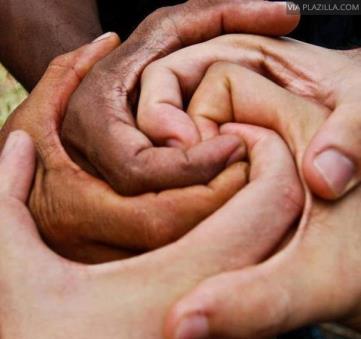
(11, 94)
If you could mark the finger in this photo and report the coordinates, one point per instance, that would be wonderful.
(258, 302)
(50, 97)
(143, 168)
(231, 93)
(17, 163)
(251, 225)
(233, 16)
(102, 216)
(281, 60)
(66, 71)
(296, 287)
(259, 215)
(332, 163)
(166, 30)
(18, 231)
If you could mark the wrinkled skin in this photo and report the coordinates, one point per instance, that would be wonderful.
(100, 114)
(43, 295)
(326, 76)
(78, 212)
(79, 215)
(46, 296)
(316, 276)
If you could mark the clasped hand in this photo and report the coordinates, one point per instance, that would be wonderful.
(248, 229)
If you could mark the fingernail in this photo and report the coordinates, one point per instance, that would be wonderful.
(104, 36)
(336, 169)
(193, 327)
(11, 143)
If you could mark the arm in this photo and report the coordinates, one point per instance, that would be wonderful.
(32, 33)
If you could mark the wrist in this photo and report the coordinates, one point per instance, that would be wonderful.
(43, 31)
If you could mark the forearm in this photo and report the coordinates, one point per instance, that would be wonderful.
(33, 32)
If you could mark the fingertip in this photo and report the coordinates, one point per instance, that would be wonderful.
(329, 174)
(107, 37)
(226, 148)
(292, 15)
(186, 320)
(192, 327)
(167, 125)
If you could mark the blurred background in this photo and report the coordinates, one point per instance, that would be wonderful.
(11, 94)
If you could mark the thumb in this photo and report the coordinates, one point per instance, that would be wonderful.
(49, 99)
(260, 301)
(66, 71)
(332, 163)
(19, 237)
(17, 162)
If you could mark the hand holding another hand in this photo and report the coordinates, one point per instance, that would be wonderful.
(114, 300)
(79, 214)
(331, 78)
(108, 301)
(301, 283)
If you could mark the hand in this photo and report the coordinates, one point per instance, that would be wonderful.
(80, 216)
(331, 78)
(45, 296)
(99, 129)
(315, 277)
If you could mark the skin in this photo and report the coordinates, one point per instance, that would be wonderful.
(78, 212)
(330, 78)
(315, 277)
(130, 154)
(79, 215)
(59, 27)
(43, 295)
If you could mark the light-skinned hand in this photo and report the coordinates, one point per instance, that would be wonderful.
(316, 275)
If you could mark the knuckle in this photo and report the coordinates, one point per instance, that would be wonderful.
(161, 12)
(169, 22)
(67, 64)
(129, 179)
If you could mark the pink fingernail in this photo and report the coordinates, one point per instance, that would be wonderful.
(336, 169)
(104, 36)
(193, 327)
